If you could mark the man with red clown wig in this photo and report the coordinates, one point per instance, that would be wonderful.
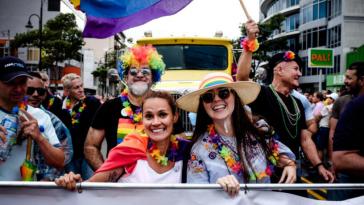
(142, 66)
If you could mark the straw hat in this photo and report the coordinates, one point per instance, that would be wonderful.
(246, 90)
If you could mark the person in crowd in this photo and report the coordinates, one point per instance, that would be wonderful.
(354, 84)
(318, 99)
(36, 93)
(142, 66)
(310, 119)
(81, 110)
(322, 137)
(51, 102)
(283, 111)
(153, 155)
(348, 155)
(33, 124)
(225, 141)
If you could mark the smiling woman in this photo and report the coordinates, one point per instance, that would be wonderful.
(226, 144)
(152, 156)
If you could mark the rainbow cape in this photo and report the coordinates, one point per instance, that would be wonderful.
(108, 17)
(126, 154)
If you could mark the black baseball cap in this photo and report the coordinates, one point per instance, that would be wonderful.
(284, 56)
(11, 68)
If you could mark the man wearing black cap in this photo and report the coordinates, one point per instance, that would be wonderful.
(13, 86)
(285, 112)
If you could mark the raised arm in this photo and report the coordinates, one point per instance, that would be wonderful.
(54, 156)
(245, 58)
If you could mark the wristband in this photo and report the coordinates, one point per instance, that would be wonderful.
(319, 164)
(249, 45)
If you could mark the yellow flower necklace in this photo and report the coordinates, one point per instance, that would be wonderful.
(171, 155)
(232, 160)
(75, 113)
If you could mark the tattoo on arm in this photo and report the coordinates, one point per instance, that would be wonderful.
(114, 175)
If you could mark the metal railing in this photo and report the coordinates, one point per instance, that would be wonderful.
(246, 187)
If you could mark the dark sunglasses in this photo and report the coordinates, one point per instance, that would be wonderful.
(209, 96)
(144, 71)
(40, 91)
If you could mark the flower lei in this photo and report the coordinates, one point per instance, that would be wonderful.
(24, 103)
(233, 163)
(225, 152)
(50, 103)
(75, 114)
(249, 45)
(171, 155)
(127, 111)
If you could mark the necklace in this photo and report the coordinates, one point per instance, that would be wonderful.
(127, 111)
(75, 113)
(288, 117)
(231, 158)
(171, 154)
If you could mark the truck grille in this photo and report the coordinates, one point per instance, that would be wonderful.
(183, 116)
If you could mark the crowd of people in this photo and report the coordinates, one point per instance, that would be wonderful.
(244, 132)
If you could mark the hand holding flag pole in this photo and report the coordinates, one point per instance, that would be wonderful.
(27, 169)
(250, 20)
(245, 10)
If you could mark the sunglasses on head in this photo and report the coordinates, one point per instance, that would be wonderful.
(40, 91)
(144, 71)
(209, 96)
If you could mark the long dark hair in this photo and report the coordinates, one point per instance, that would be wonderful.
(245, 132)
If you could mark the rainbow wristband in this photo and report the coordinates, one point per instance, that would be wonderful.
(249, 45)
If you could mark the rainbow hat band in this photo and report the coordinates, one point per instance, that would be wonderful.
(246, 90)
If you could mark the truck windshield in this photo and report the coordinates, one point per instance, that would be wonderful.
(194, 57)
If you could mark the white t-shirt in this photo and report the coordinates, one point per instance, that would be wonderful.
(45, 121)
(143, 173)
(9, 170)
(325, 114)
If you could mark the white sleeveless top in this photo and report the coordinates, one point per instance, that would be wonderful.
(142, 173)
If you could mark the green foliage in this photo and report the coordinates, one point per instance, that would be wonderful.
(101, 70)
(267, 44)
(61, 40)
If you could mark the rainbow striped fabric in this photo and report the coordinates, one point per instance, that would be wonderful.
(108, 17)
(216, 79)
(125, 127)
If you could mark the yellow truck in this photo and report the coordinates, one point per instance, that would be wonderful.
(187, 60)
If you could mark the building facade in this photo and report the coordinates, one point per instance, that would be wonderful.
(14, 16)
(336, 24)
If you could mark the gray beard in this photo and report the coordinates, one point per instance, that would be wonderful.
(138, 89)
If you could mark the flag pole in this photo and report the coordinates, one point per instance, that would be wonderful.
(245, 10)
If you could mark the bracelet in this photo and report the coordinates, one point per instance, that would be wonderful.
(318, 165)
(290, 163)
(249, 45)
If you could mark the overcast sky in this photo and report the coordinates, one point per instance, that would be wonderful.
(200, 18)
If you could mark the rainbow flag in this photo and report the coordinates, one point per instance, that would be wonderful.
(108, 17)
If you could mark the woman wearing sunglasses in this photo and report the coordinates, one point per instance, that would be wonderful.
(225, 144)
(153, 156)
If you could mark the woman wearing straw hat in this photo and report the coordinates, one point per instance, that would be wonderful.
(225, 141)
(153, 156)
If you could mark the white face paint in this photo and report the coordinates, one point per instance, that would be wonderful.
(138, 88)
